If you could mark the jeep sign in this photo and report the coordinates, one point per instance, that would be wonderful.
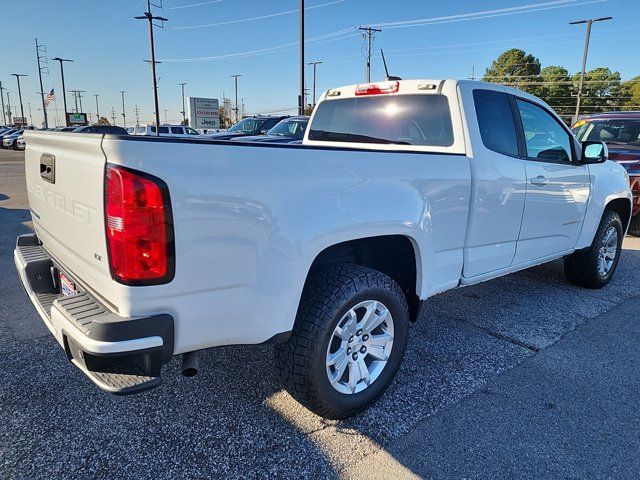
(204, 113)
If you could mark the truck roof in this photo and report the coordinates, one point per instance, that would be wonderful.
(421, 86)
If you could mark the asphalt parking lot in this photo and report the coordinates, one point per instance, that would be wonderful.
(522, 376)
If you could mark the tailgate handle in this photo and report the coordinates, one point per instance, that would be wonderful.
(48, 168)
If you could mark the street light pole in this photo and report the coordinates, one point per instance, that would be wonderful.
(18, 75)
(589, 22)
(314, 80)
(64, 91)
(4, 117)
(301, 95)
(124, 115)
(235, 77)
(183, 112)
(97, 107)
(150, 18)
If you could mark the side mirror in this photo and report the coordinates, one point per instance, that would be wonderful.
(263, 131)
(594, 152)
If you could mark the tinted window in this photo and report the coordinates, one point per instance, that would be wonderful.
(141, 129)
(495, 119)
(397, 119)
(545, 139)
(161, 129)
(290, 128)
(625, 131)
(191, 131)
(175, 130)
(269, 124)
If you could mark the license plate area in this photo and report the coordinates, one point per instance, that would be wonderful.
(67, 286)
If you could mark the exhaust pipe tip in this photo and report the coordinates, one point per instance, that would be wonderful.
(190, 363)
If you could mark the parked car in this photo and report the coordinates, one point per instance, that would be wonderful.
(6, 133)
(104, 129)
(324, 249)
(20, 144)
(249, 126)
(621, 132)
(64, 129)
(286, 131)
(179, 131)
(9, 140)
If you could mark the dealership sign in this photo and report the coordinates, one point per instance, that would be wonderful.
(77, 119)
(204, 113)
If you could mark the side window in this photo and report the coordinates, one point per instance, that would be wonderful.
(545, 139)
(177, 130)
(495, 119)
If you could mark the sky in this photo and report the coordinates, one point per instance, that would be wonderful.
(204, 42)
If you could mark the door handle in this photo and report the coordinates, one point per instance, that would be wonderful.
(539, 180)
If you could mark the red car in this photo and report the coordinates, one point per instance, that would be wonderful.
(621, 132)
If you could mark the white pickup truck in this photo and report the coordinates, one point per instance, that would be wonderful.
(145, 248)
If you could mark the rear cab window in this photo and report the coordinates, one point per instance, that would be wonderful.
(404, 119)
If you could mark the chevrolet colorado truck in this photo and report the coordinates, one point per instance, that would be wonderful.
(146, 248)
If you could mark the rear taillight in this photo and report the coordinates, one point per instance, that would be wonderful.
(377, 88)
(139, 227)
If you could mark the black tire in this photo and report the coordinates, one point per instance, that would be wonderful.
(634, 226)
(581, 267)
(328, 295)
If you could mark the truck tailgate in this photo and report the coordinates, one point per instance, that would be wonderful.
(65, 183)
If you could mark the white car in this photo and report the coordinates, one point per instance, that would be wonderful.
(166, 131)
(400, 190)
(20, 144)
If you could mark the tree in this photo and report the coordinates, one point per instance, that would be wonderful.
(225, 113)
(103, 121)
(630, 93)
(515, 68)
(601, 90)
(556, 89)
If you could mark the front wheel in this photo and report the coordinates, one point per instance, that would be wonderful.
(594, 267)
(348, 341)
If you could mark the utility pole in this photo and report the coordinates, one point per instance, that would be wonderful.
(314, 80)
(64, 91)
(301, 94)
(30, 116)
(235, 78)
(369, 33)
(75, 99)
(80, 92)
(4, 117)
(589, 22)
(137, 112)
(97, 107)
(113, 116)
(124, 115)
(41, 49)
(473, 73)
(183, 112)
(18, 75)
(9, 106)
(150, 18)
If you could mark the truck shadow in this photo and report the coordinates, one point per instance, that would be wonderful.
(234, 420)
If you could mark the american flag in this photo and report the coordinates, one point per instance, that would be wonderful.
(49, 98)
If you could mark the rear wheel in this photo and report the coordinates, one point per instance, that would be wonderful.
(348, 341)
(594, 267)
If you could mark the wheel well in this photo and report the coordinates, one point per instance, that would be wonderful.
(622, 207)
(393, 255)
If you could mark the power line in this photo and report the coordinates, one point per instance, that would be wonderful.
(251, 19)
(500, 12)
